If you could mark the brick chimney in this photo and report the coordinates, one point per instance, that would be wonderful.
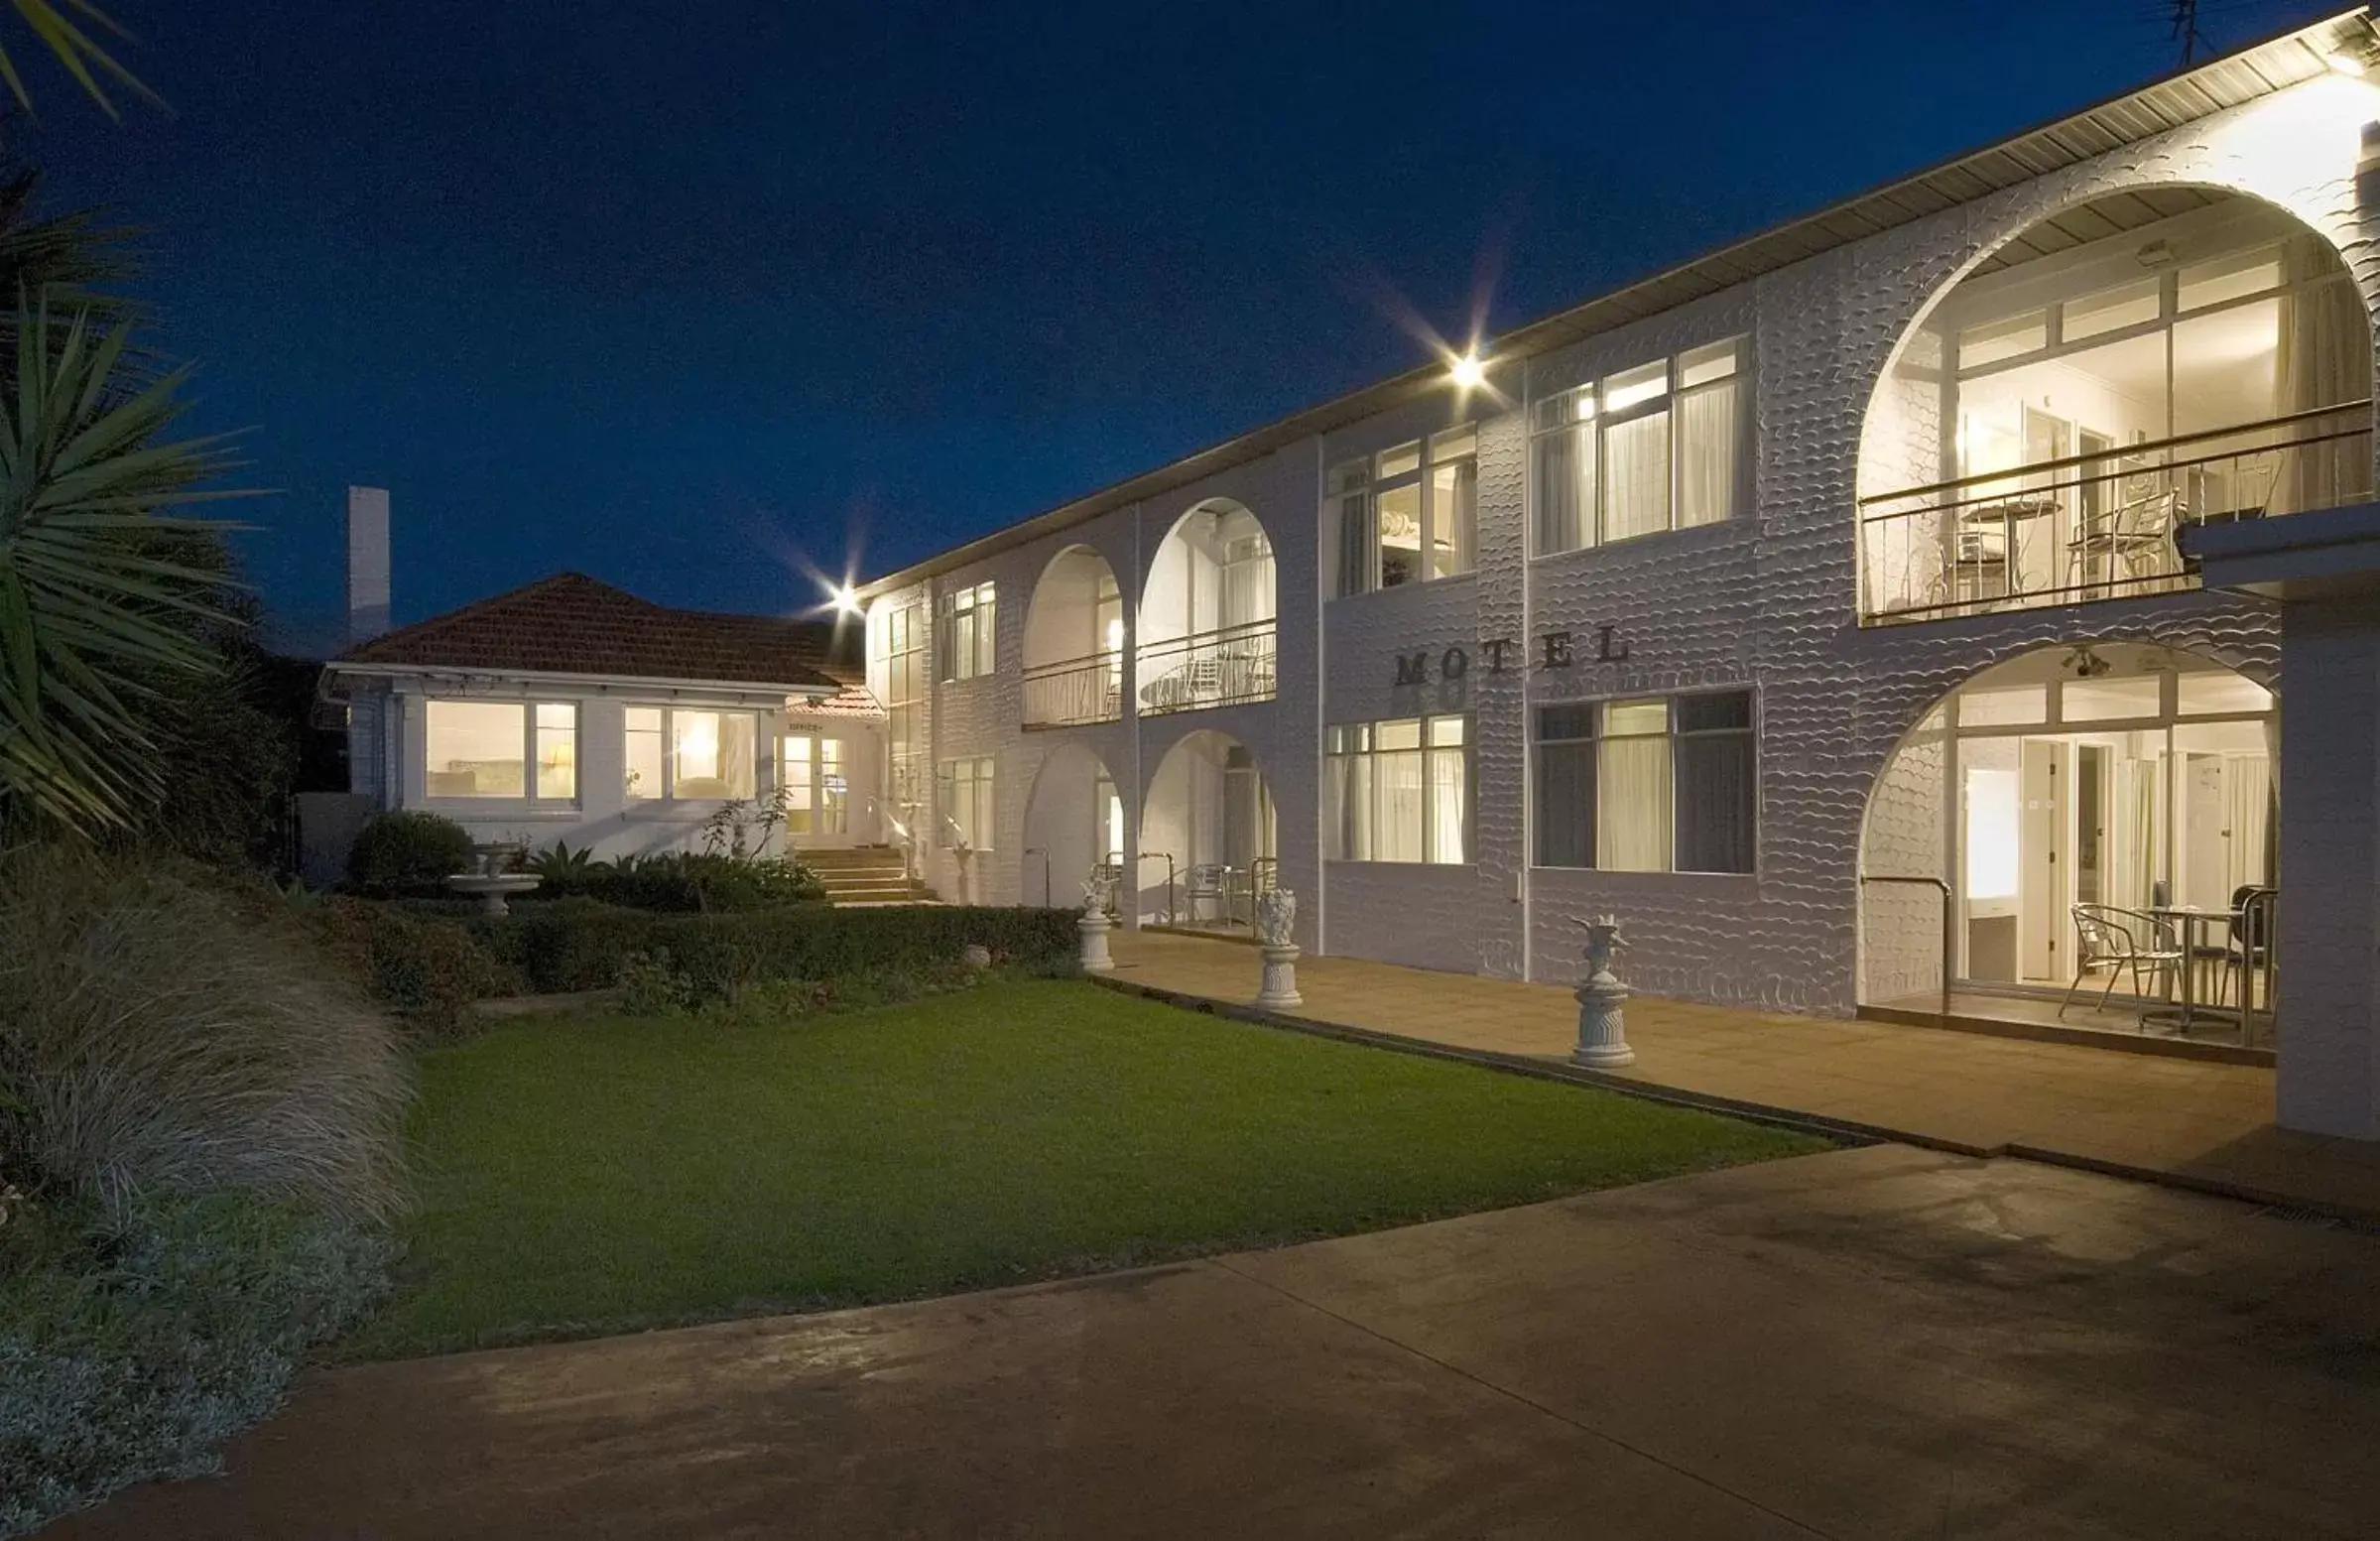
(367, 563)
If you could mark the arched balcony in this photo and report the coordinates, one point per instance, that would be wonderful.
(1074, 643)
(1206, 635)
(2115, 374)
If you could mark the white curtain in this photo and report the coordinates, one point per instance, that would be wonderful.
(1707, 440)
(2139, 835)
(1447, 803)
(1632, 804)
(2325, 349)
(1247, 587)
(1636, 481)
(1397, 831)
(2248, 798)
(1566, 490)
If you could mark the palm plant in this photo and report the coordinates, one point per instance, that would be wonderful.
(101, 594)
(64, 28)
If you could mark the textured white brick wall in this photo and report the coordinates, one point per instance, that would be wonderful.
(1768, 601)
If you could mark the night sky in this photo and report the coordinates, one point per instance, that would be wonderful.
(688, 294)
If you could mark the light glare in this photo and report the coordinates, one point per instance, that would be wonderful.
(845, 598)
(1467, 372)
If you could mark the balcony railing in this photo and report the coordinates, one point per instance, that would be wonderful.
(1207, 669)
(2099, 526)
(1075, 690)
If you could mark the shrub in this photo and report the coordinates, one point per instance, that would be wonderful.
(703, 883)
(160, 1033)
(133, 1341)
(408, 853)
(423, 964)
(578, 946)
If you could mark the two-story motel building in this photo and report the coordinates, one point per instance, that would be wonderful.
(1864, 566)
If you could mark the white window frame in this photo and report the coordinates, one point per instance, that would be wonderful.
(1588, 411)
(530, 731)
(1356, 486)
(667, 715)
(1347, 743)
(967, 636)
(978, 774)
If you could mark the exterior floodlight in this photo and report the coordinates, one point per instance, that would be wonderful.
(845, 598)
(2345, 64)
(1467, 372)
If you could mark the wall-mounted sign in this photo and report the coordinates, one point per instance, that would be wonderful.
(1556, 650)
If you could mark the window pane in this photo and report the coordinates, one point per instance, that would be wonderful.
(1404, 734)
(1636, 476)
(1403, 458)
(1714, 712)
(1565, 805)
(475, 747)
(643, 754)
(1348, 476)
(1565, 490)
(1577, 722)
(1632, 387)
(1718, 361)
(1397, 833)
(798, 778)
(1454, 445)
(1998, 706)
(1636, 716)
(1355, 543)
(2231, 277)
(1446, 730)
(713, 753)
(557, 751)
(1994, 341)
(2101, 701)
(1449, 806)
(1716, 800)
(1708, 436)
(1399, 511)
(1454, 506)
(1577, 405)
(2126, 304)
(1632, 797)
(2226, 371)
(2204, 692)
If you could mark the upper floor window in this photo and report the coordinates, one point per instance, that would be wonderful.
(1654, 785)
(1407, 514)
(690, 753)
(966, 633)
(1657, 446)
(502, 749)
(1398, 791)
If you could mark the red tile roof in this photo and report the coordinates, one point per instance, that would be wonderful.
(570, 623)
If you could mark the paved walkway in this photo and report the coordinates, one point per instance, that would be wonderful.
(2204, 1124)
(1872, 1343)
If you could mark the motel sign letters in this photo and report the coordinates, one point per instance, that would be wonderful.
(1556, 650)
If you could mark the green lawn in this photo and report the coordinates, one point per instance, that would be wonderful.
(586, 1175)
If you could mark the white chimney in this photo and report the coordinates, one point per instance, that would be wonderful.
(367, 563)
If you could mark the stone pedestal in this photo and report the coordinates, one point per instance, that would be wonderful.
(1280, 987)
(1092, 928)
(1602, 1036)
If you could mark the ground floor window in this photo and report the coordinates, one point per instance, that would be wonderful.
(816, 794)
(690, 753)
(965, 788)
(493, 748)
(1655, 783)
(1398, 791)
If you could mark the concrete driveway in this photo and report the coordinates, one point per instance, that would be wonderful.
(1879, 1343)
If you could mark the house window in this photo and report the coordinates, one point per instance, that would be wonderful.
(966, 633)
(897, 673)
(817, 798)
(1659, 447)
(684, 754)
(966, 800)
(485, 749)
(1398, 791)
(1408, 514)
(1653, 784)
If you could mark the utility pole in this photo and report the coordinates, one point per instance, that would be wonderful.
(2185, 29)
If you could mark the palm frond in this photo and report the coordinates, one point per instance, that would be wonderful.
(102, 592)
(54, 24)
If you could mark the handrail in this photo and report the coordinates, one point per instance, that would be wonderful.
(1949, 922)
(1107, 655)
(1212, 634)
(1148, 855)
(2121, 452)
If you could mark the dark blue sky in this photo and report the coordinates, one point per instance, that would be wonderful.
(680, 294)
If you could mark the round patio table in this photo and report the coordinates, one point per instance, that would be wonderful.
(2188, 921)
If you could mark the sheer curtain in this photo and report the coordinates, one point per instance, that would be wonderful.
(1397, 833)
(1355, 543)
(1636, 467)
(1449, 801)
(1708, 436)
(2325, 349)
(2139, 832)
(1566, 490)
(1632, 804)
(2248, 798)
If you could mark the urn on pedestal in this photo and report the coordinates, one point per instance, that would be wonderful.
(1093, 926)
(1602, 1037)
(1275, 920)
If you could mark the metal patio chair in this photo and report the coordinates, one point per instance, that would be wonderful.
(2107, 938)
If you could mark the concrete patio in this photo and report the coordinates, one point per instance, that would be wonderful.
(2198, 1125)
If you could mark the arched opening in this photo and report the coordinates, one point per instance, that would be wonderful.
(2068, 806)
(1205, 624)
(1074, 643)
(1209, 837)
(2116, 373)
(1074, 823)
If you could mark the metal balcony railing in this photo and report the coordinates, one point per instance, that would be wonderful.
(1075, 690)
(2099, 526)
(1207, 669)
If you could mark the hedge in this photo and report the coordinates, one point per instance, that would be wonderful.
(581, 944)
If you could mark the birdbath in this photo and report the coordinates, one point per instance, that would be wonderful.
(489, 885)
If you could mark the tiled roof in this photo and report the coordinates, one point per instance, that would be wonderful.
(572, 624)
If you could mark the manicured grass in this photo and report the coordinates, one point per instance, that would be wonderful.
(586, 1175)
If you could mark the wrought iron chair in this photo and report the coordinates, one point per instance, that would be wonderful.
(2107, 940)
(2135, 533)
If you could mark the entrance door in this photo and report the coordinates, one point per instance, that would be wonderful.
(2206, 858)
(2090, 824)
(2041, 838)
